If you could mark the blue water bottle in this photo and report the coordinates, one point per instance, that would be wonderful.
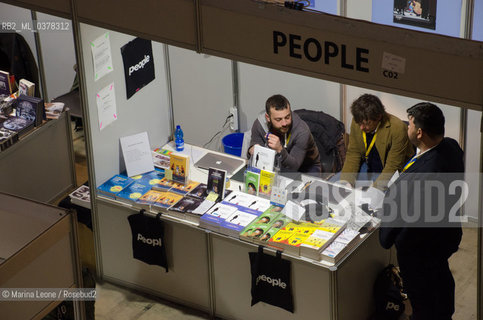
(178, 138)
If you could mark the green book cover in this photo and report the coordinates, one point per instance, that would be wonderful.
(252, 182)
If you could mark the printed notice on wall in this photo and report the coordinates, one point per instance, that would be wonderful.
(137, 154)
(101, 56)
(106, 106)
(394, 63)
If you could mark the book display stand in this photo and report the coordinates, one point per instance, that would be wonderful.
(211, 271)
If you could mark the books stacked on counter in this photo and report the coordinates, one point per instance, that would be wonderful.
(161, 158)
(194, 204)
(234, 213)
(339, 247)
(53, 110)
(81, 197)
(140, 185)
(114, 185)
(265, 226)
(307, 239)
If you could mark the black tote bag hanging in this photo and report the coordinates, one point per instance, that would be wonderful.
(271, 281)
(148, 239)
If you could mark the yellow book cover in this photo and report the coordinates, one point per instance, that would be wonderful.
(163, 184)
(266, 181)
(179, 164)
(331, 225)
(292, 227)
(184, 188)
(297, 239)
(281, 237)
(167, 199)
(318, 239)
(149, 198)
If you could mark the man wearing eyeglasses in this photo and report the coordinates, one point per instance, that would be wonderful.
(378, 144)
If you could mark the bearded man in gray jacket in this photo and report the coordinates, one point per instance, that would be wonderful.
(283, 131)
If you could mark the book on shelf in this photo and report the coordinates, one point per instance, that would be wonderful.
(53, 110)
(7, 138)
(30, 108)
(216, 182)
(26, 87)
(179, 164)
(133, 192)
(19, 125)
(81, 197)
(339, 247)
(161, 158)
(252, 182)
(214, 216)
(263, 158)
(5, 87)
(114, 185)
(148, 199)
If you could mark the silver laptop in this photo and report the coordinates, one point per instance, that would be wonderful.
(218, 161)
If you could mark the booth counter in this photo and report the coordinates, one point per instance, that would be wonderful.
(211, 272)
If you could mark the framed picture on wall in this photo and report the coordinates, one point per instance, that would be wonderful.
(419, 13)
(432, 16)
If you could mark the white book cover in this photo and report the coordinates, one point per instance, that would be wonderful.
(263, 158)
(347, 236)
(334, 249)
(221, 210)
(26, 87)
(317, 239)
(241, 218)
(203, 207)
(248, 201)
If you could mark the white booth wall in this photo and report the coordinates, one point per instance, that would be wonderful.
(258, 83)
(202, 94)
(58, 55)
(147, 110)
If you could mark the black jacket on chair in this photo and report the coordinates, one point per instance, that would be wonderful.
(328, 133)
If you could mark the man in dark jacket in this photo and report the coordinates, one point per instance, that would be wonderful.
(283, 131)
(418, 217)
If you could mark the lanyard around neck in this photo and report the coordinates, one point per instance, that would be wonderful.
(287, 139)
(410, 163)
(364, 137)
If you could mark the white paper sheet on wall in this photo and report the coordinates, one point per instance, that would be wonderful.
(106, 106)
(137, 154)
(101, 56)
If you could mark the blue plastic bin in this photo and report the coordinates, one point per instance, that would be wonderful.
(232, 143)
